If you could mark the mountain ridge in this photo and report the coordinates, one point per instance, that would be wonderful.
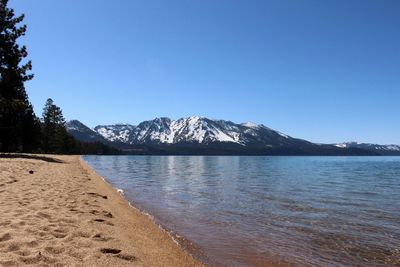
(200, 135)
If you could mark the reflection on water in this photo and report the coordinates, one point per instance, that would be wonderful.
(245, 211)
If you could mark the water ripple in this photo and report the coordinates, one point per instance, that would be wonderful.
(250, 211)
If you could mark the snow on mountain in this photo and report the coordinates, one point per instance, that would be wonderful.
(283, 135)
(370, 147)
(118, 132)
(347, 144)
(193, 129)
(393, 147)
(203, 132)
(200, 135)
(342, 145)
(250, 124)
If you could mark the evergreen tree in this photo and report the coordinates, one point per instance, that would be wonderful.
(19, 127)
(55, 138)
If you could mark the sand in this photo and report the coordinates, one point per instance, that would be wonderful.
(56, 211)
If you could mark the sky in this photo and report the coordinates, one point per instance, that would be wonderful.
(325, 71)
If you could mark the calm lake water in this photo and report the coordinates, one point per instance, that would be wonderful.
(251, 211)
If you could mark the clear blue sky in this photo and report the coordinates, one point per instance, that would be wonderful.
(326, 71)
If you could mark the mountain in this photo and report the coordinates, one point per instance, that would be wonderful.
(203, 136)
(379, 149)
(115, 133)
(90, 142)
(83, 133)
(187, 130)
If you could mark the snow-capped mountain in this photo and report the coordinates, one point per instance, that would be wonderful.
(381, 149)
(195, 129)
(199, 135)
(117, 132)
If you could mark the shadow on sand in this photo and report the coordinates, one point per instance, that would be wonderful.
(28, 156)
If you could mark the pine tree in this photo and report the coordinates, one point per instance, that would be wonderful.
(55, 138)
(19, 127)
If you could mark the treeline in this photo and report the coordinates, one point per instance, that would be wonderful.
(20, 129)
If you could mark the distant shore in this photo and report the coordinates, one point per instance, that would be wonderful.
(57, 211)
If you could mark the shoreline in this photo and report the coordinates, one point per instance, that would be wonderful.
(61, 212)
(197, 251)
(181, 241)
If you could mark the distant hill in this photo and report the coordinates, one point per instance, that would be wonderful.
(83, 133)
(386, 150)
(203, 136)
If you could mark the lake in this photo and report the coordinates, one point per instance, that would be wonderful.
(254, 211)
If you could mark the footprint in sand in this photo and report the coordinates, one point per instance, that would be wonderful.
(5, 237)
(117, 253)
(32, 259)
(97, 195)
(126, 257)
(32, 244)
(75, 210)
(104, 213)
(99, 237)
(13, 247)
(43, 215)
(110, 250)
(59, 235)
(81, 234)
(103, 221)
(54, 250)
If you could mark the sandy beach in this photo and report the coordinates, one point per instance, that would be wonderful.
(56, 211)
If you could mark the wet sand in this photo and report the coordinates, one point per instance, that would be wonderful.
(55, 211)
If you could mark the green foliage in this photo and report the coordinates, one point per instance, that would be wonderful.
(55, 138)
(19, 127)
